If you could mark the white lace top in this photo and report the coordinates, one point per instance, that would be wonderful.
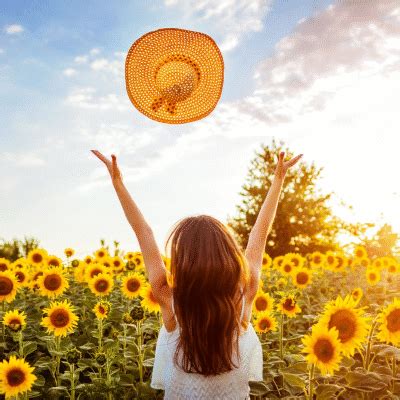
(230, 385)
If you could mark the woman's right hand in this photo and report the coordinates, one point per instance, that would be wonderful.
(111, 165)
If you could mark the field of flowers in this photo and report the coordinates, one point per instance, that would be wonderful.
(87, 328)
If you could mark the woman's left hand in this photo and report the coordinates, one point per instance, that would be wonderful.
(111, 165)
(283, 166)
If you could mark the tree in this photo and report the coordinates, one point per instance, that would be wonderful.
(383, 243)
(304, 221)
(14, 249)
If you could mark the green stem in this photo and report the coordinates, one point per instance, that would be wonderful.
(124, 346)
(72, 372)
(393, 370)
(100, 326)
(281, 337)
(21, 344)
(108, 367)
(368, 350)
(311, 378)
(2, 316)
(58, 359)
(139, 328)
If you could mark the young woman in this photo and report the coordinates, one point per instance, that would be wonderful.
(206, 348)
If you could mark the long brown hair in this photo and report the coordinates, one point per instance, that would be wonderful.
(208, 267)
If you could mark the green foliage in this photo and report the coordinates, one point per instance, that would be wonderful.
(14, 249)
(304, 220)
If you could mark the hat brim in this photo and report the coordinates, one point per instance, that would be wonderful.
(145, 55)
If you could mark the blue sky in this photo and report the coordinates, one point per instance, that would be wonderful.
(321, 75)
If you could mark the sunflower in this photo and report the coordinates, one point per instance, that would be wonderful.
(37, 257)
(88, 260)
(262, 302)
(100, 254)
(281, 283)
(94, 269)
(149, 301)
(323, 349)
(356, 294)
(53, 261)
(393, 266)
(287, 267)
(360, 252)
(107, 262)
(265, 322)
(15, 377)
(117, 264)
(296, 259)
(139, 261)
(389, 319)
(33, 282)
(341, 262)
(101, 284)
(20, 263)
(277, 262)
(330, 260)
(378, 263)
(364, 262)
(60, 319)
(302, 277)
(348, 320)
(53, 282)
(317, 259)
(129, 256)
(79, 272)
(8, 286)
(69, 252)
(132, 285)
(4, 264)
(22, 276)
(101, 309)
(288, 306)
(266, 262)
(373, 276)
(14, 319)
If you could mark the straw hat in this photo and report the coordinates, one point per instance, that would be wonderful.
(174, 75)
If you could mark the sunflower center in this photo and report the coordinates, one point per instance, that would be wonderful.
(133, 285)
(393, 321)
(95, 272)
(317, 259)
(330, 259)
(265, 324)
(3, 267)
(261, 304)
(6, 285)
(37, 258)
(15, 377)
(59, 318)
(15, 321)
(102, 310)
(289, 305)
(52, 282)
(287, 268)
(101, 285)
(302, 278)
(324, 350)
(345, 322)
(372, 276)
(295, 261)
(117, 263)
(101, 254)
(20, 276)
(138, 261)
(53, 262)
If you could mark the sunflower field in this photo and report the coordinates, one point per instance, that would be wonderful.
(86, 328)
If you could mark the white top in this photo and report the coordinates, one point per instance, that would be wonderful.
(230, 385)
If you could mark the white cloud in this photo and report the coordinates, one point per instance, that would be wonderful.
(1, 51)
(70, 72)
(81, 59)
(13, 29)
(231, 20)
(94, 51)
(115, 67)
(87, 98)
(313, 63)
(21, 159)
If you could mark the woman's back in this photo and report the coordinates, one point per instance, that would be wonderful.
(229, 385)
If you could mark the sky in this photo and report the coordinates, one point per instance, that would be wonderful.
(322, 75)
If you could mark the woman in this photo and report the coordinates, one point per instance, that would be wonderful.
(206, 348)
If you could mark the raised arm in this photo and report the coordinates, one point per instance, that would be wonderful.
(262, 227)
(155, 267)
